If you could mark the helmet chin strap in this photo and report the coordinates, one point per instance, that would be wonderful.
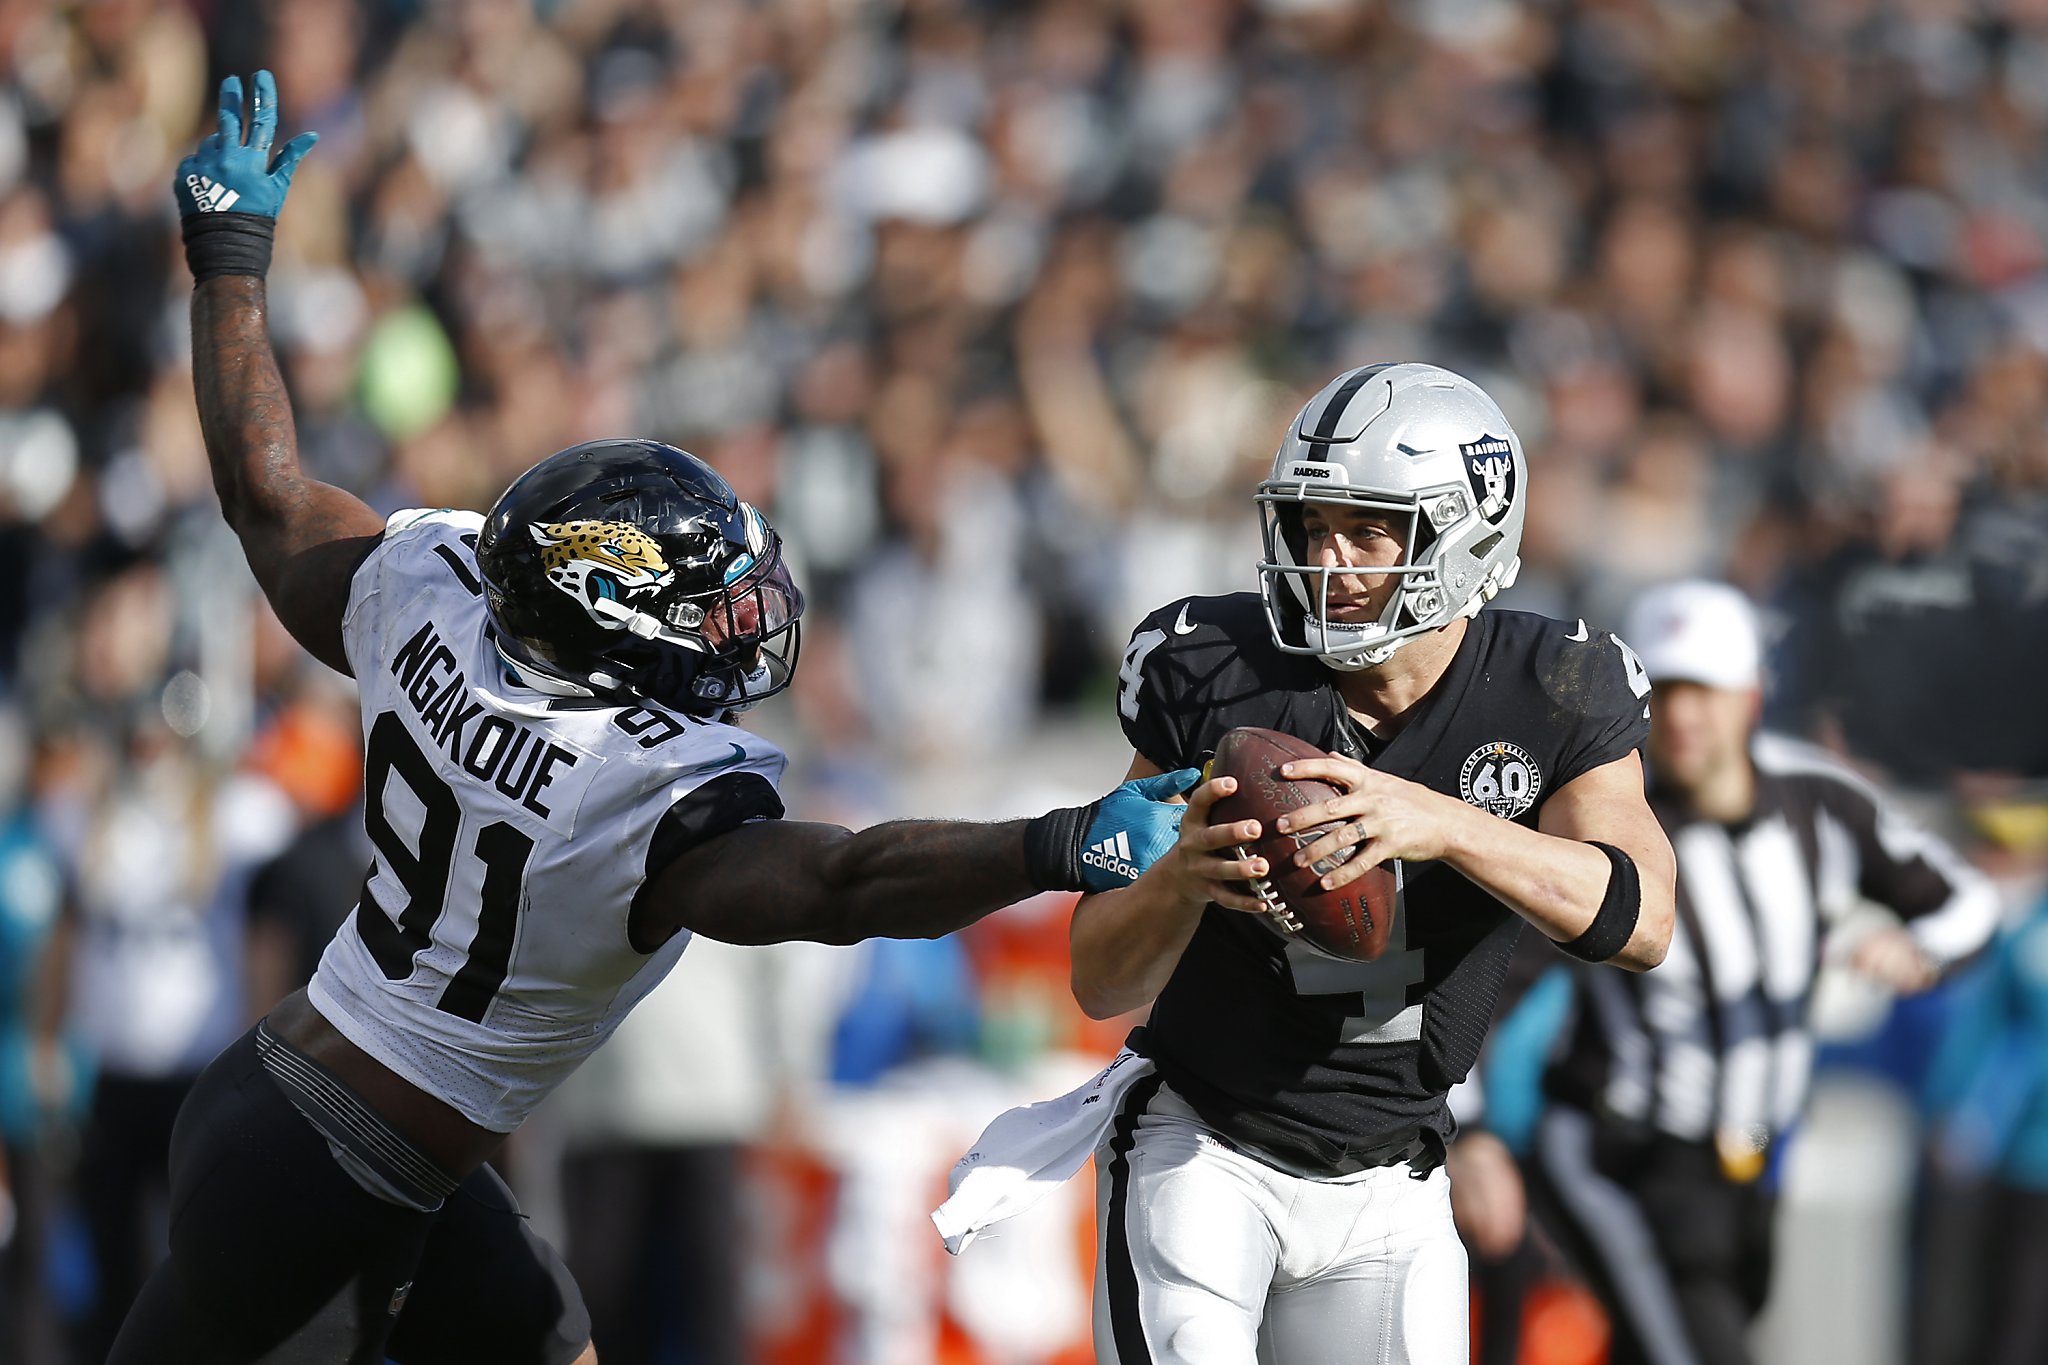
(762, 677)
(635, 622)
(540, 680)
(1358, 660)
(1359, 655)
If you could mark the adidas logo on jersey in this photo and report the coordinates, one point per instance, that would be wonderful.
(210, 195)
(1113, 855)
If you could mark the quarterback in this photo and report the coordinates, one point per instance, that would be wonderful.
(558, 803)
(1272, 1181)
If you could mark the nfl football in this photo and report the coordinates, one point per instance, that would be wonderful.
(1354, 921)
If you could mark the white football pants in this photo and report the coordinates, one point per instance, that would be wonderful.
(1208, 1257)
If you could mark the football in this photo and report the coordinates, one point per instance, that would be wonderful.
(1353, 922)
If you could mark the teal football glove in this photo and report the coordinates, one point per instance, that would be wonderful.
(1133, 828)
(228, 175)
(1107, 844)
(229, 191)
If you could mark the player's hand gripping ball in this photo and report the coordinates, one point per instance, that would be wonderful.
(1354, 921)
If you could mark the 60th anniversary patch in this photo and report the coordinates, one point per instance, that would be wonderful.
(1500, 778)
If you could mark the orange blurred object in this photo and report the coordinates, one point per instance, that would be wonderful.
(1022, 963)
(312, 756)
(1562, 1324)
(791, 1314)
(795, 1314)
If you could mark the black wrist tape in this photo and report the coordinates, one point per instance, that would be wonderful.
(1615, 923)
(1052, 848)
(228, 244)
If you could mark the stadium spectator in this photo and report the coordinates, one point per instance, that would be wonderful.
(1991, 1076)
(36, 1069)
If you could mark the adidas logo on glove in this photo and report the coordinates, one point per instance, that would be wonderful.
(210, 195)
(1113, 855)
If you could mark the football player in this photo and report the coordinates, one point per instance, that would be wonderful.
(1274, 1189)
(557, 805)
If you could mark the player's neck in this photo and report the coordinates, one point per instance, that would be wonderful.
(1382, 697)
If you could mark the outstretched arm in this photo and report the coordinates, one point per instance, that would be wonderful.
(772, 881)
(304, 539)
(779, 880)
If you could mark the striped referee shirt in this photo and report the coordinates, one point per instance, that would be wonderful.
(1716, 1039)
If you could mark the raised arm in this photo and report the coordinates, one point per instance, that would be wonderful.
(304, 538)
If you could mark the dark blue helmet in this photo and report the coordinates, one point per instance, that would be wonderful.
(631, 567)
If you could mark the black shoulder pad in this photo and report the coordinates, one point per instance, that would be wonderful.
(1593, 677)
(719, 806)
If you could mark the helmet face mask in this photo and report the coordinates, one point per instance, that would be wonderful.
(631, 567)
(752, 630)
(1427, 449)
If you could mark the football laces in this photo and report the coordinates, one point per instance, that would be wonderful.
(1270, 898)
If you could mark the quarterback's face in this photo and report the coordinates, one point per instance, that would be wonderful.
(1696, 731)
(1341, 536)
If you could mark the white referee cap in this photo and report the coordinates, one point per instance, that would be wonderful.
(1697, 631)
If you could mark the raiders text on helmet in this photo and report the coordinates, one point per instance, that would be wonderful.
(631, 567)
(1411, 441)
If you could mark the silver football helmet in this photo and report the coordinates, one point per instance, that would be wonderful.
(1413, 441)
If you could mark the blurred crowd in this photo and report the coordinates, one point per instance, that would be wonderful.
(998, 308)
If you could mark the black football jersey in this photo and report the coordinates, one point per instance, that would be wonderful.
(1320, 1066)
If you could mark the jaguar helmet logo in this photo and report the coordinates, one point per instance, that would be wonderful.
(608, 566)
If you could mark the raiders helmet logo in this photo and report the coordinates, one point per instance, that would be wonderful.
(1490, 463)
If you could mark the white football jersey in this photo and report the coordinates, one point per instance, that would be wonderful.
(489, 953)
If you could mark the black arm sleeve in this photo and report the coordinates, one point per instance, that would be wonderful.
(718, 807)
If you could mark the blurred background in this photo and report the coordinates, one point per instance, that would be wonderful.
(999, 309)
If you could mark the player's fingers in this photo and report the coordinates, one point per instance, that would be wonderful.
(231, 111)
(1335, 769)
(1205, 796)
(1329, 844)
(1238, 865)
(1370, 855)
(1208, 838)
(1344, 806)
(1163, 786)
(263, 113)
(288, 157)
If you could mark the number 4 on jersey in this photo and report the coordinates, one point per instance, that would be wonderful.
(1131, 677)
(1377, 991)
(1638, 676)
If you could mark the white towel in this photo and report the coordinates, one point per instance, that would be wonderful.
(1029, 1151)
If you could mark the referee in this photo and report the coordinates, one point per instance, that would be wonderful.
(1673, 1085)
